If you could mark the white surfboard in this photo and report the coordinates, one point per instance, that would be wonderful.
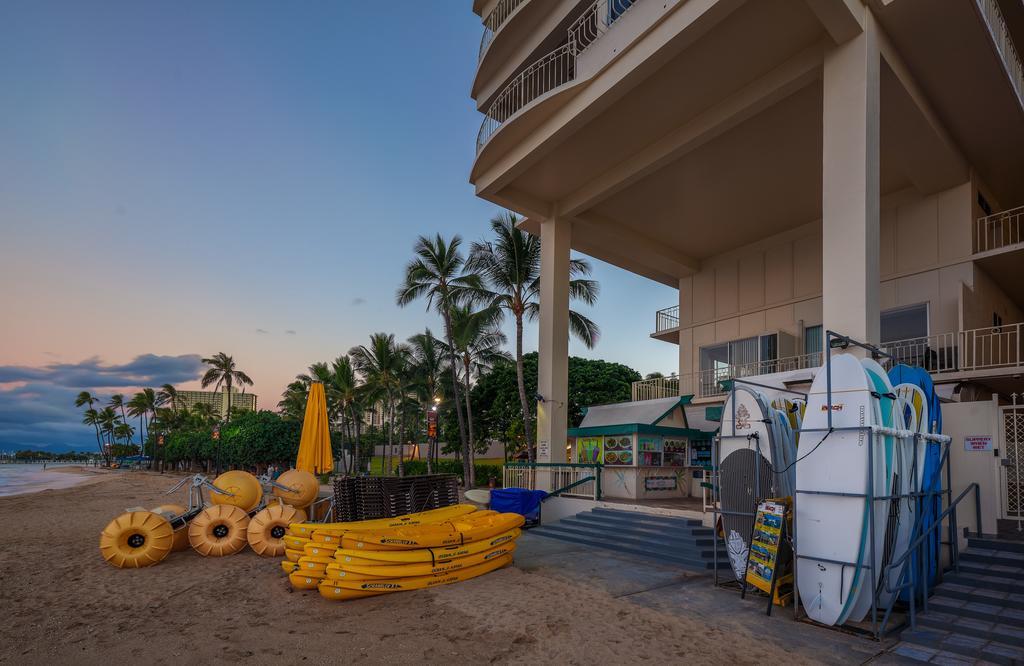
(830, 527)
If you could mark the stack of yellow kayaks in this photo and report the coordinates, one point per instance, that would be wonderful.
(354, 560)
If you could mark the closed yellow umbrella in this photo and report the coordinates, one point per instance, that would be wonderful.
(315, 444)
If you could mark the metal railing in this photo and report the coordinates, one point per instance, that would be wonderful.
(494, 21)
(554, 70)
(708, 383)
(666, 319)
(999, 230)
(570, 479)
(986, 348)
(658, 387)
(993, 17)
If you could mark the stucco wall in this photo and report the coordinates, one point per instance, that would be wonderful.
(983, 298)
(775, 284)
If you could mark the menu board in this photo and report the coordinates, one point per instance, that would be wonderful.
(589, 450)
(618, 450)
(766, 543)
(700, 453)
(676, 452)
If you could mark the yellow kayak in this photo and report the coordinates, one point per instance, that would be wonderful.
(320, 549)
(384, 585)
(294, 542)
(289, 566)
(293, 555)
(339, 571)
(314, 565)
(303, 581)
(434, 555)
(450, 533)
(421, 518)
(335, 593)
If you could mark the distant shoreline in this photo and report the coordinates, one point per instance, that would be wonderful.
(29, 479)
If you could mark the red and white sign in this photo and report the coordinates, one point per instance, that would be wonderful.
(978, 443)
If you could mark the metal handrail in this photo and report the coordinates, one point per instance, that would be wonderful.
(555, 493)
(996, 24)
(936, 525)
(999, 230)
(666, 319)
(493, 22)
(555, 69)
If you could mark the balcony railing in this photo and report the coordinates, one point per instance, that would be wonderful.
(554, 70)
(494, 21)
(1000, 230)
(993, 17)
(990, 348)
(667, 319)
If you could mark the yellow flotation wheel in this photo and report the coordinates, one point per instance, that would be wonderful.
(305, 486)
(245, 490)
(136, 539)
(268, 528)
(219, 530)
(171, 511)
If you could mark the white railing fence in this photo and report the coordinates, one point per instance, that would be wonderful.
(993, 17)
(999, 230)
(584, 479)
(659, 387)
(553, 70)
(494, 21)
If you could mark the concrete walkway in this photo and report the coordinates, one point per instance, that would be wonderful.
(674, 591)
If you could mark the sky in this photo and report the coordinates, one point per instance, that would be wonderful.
(183, 178)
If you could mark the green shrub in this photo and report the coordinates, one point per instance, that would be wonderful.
(483, 473)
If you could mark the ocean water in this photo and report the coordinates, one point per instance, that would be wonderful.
(31, 478)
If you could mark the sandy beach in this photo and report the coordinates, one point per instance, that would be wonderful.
(63, 604)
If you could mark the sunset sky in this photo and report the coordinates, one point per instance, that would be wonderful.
(183, 178)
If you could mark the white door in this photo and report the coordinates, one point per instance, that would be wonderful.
(1012, 438)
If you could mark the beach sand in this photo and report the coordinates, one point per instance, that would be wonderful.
(61, 603)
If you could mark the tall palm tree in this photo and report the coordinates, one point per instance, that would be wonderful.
(118, 403)
(168, 395)
(346, 390)
(124, 431)
(381, 363)
(478, 342)
(223, 372)
(86, 398)
(428, 354)
(438, 273)
(142, 405)
(511, 265)
(293, 401)
(108, 420)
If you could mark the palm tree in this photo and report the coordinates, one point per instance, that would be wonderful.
(346, 390)
(108, 420)
(511, 265)
(141, 406)
(381, 364)
(223, 372)
(438, 273)
(478, 342)
(117, 402)
(168, 395)
(124, 431)
(428, 355)
(86, 398)
(293, 401)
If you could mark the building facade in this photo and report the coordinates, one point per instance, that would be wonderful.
(790, 166)
(218, 400)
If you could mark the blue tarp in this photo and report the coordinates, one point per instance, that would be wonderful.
(517, 500)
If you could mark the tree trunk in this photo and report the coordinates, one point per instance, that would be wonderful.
(227, 417)
(520, 380)
(470, 457)
(391, 432)
(467, 469)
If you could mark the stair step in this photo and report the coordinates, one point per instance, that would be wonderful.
(653, 545)
(695, 563)
(681, 536)
(982, 578)
(995, 544)
(1010, 574)
(1004, 558)
(598, 519)
(967, 645)
(637, 516)
(977, 610)
(986, 595)
(993, 631)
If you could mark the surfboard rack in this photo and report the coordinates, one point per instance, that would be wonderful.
(900, 578)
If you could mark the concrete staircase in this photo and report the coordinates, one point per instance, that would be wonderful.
(683, 542)
(976, 615)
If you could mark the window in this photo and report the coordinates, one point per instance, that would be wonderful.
(905, 323)
(813, 342)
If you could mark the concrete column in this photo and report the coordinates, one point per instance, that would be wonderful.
(850, 187)
(685, 367)
(553, 364)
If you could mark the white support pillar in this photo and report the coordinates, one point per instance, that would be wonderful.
(850, 187)
(553, 364)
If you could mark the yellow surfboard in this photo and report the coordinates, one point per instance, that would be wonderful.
(339, 571)
(421, 582)
(451, 533)
(433, 555)
(421, 518)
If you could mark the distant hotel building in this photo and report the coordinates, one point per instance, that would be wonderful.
(218, 399)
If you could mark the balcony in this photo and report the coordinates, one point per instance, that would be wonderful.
(999, 231)
(996, 351)
(996, 25)
(493, 22)
(553, 71)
